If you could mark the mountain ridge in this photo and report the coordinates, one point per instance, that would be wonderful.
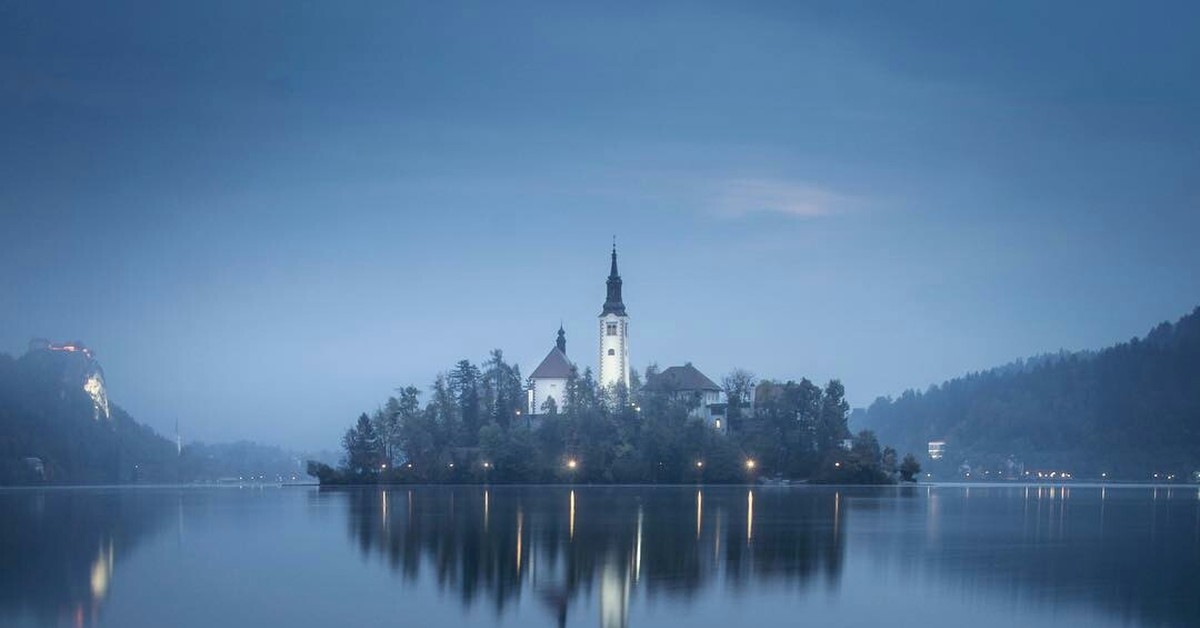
(1131, 409)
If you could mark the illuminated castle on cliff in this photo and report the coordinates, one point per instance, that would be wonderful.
(78, 368)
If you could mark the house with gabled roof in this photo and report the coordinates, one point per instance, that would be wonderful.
(686, 383)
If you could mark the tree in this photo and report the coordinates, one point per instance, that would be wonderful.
(909, 468)
(443, 415)
(889, 461)
(363, 452)
(831, 426)
(386, 422)
(738, 385)
(324, 473)
(464, 387)
(503, 389)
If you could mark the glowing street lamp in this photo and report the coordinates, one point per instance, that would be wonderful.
(750, 464)
(699, 464)
(571, 464)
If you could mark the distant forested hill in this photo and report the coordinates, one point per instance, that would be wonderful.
(1130, 410)
(58, 427)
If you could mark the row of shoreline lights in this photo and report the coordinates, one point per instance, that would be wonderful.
(751, 465)
(409, 465)
(573, 464)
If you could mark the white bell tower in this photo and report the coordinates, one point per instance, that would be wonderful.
(614, 332)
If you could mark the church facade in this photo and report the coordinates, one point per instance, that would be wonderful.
(548, 382)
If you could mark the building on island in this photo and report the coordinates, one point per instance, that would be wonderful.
(686, 383)
(548, 382)
(547, 385)
(614, 333)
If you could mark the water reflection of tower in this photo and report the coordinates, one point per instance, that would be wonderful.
(614, 595)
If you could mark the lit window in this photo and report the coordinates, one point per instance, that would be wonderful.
(718, 423)
(611, 328)
(612, 352)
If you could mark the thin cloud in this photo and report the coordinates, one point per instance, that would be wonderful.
(741, 197)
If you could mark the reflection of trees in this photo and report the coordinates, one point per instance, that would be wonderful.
(60, 546)
(499, 543)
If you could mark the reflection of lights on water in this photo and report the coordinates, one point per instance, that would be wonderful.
(520, 531)
(485, 510)
(699, 511)
(749, 516)
(572, 515)
(637, 556)
(614, 596)
(102, 569)
(717, 536)
(837, 511)
(385, 509)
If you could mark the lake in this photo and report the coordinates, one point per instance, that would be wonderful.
(945, 555)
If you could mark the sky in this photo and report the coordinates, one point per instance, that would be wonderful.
(265, 216)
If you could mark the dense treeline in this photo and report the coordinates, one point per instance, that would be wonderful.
(472, 429)
(1128, 411)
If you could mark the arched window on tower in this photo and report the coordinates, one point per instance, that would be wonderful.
(611, 329)
(612, 352)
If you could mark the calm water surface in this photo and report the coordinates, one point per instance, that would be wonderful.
(625, 556)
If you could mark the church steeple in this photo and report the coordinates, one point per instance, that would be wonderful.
(614, 332)
(561, 343)
(613, 303)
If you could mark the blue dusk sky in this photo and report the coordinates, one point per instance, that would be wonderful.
(263, 217)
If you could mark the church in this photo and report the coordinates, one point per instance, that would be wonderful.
(547, 386)
(548, 382)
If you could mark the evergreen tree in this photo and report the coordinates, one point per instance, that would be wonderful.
(909, 468)
(832, 425)
(464, 381)
(363, 452)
